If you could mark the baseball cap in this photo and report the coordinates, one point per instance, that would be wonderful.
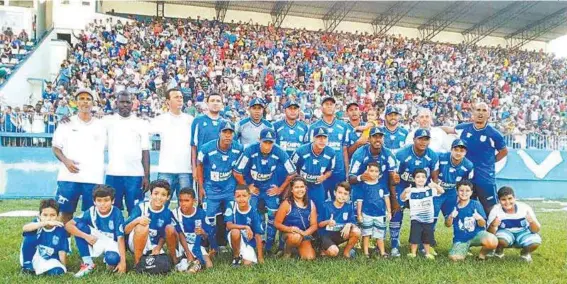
(422, 132)
(376, 130)
(267, 134)
(85, 91)
(321, 131)
(256, 101)
(458, 143)
(352, 103)
(226, 125)
(291, 103)
(392, 109)
(326, 98)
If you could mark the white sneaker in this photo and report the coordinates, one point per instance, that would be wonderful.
(395, 252)
(527, 257)
(183, 265)
(85, 269)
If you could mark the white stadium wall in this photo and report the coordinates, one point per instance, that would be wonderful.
(184, 11)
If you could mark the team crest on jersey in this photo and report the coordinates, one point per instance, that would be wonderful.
(248, 220)
(427, 193)
(417, 162)
(225, 158)
(228, 212)
(482, 138)
(469, 135)
(111, 225)
(458, 179)
(160, 222)
(451, 170)
(121, 229)
(381, 193)
(204, 124)
(291, 131)
(55, 240)
(392, 138)
(315, 162)
(345, 216)
(214, 166)
(340, 136)
(215, 123)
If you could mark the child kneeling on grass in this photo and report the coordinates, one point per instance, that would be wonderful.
(515, 225)
(469, 225)
(152, 224)
(98, 231)
(337, 219)
(245, 229)
(421, 212)
(45, 245)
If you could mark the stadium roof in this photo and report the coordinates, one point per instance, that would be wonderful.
(517, 21)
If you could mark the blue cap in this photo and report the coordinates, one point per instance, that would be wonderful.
(321, 131)
(376, 130)
(392, 109)
(422, 132)
(290, 103)
(226, 125)
(327, 98)
(256, 101)
(352, 103)
(267, 134)
(458, 143)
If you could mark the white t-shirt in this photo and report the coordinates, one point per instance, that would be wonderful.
(127, 138)
(175, 146)
(440, 141)
(82, 142)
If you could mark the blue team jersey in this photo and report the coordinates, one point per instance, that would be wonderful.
(219, 182)
(465, 226)
(204, 129)
(188, 223)
(355, 134)
(341, 216)
(395, 139)
(481, 147)
(298, 216)
(311, 166)
(386, 161)
(50, 241)
(409, 161)
(111, 225)
(290, 137)
(249, 218)
(450, 174)
(158, 220)
(259, 169)
(248, 132)
(339, 137)
(372, 198)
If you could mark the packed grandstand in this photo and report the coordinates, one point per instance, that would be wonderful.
(526, 90)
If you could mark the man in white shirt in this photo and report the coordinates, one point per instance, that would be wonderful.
(128, 169)
(174, 129)
(440, 141)
(79, 145)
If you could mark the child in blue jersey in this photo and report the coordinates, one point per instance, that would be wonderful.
(420, 200)
(244, 229)
(297, 219)
(373, 210)
(191, 220)
(45, 245)
(98, 231)
(338, 220)
(514, 224)
(469, 225)
(257, 168)
(315, 162)
(151, 224)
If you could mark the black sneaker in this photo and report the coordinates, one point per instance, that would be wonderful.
(236, 261)
(29, 271)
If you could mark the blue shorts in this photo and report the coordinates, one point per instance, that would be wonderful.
(520, 239)
(212, 208)
(177, 181)
(68, 194)
(445, 203)
(128, 188)
(272, 203)
(486, 195)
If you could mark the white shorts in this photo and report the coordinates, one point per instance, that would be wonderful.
(374, 226)
(103, 244)
(41, 265)
(247, 252)
(148, 248)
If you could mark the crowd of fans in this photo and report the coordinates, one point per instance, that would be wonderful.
(526, 90)
(13, 49)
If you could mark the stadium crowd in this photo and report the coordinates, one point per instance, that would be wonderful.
(338, 103)
(526, 90)
(13, 49)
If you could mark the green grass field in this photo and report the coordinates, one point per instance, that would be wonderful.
(549, 265)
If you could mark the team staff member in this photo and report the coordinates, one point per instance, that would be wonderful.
(482, 142)
(174, 129)
(440, 141)
(338, 139)
(128, 169)
(248, 129)
(79, 146)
